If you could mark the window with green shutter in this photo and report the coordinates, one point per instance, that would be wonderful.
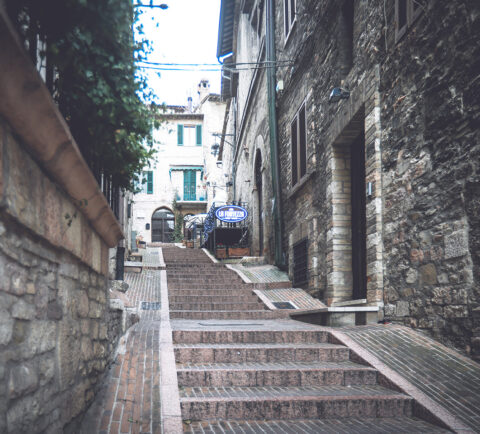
(199, 135)
(180, 135)
(150, 182)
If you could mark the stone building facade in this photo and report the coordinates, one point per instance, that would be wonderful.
(58, 332)
(181, 167)
(379, 188)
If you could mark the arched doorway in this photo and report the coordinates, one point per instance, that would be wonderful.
(163, 224)
(259, 187)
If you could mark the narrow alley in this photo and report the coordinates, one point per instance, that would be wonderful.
(242, 368)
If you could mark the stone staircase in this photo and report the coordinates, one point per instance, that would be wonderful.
(258, 373)
(201, 289)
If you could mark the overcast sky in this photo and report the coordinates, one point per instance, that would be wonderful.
(187, 32)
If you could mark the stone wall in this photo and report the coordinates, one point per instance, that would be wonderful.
(431, 175)
(57, 334)
(414, 99)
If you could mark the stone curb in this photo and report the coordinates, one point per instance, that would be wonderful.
(424, 407)
(171, 415)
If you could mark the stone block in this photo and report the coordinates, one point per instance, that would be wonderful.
(22, 379)
(402, 308)
(41, 337)
(95, 309)
(456, 244)
(6, 327)
(22, 414)
(82, 303)
(68, 348)
(23, 310)
(428, 274)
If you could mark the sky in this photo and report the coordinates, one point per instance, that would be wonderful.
(186, 32)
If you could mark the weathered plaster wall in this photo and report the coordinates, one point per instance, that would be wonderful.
(57, 334)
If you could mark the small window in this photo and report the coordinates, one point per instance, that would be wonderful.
(199, 135)
(300, 263)
(180, 135)
(289, 14)
(406, 12)
(299, 145)
(146, 182)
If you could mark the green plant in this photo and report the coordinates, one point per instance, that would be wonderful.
(178, 229)
(90, 56)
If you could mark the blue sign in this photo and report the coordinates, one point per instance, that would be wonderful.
(231, 213)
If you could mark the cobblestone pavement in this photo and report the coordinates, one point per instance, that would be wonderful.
(445, 376)
(130, 402)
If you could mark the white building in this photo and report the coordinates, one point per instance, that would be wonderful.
(184, 162)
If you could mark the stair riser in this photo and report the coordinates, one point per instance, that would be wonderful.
(248, 337)
(263, 315)
(216, 306)
(242, 298)
(266, 355)
(276, 378)
(200, 285)
(296, 409)
(210, 292)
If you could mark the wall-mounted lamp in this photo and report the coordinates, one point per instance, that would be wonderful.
(151, 5)
(229, 184)
(338, 93)
(219, 164)
(215, 147)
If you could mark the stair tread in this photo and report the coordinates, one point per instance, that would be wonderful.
(404, 425)
(268, 366)
(239, 393)
(240, 345)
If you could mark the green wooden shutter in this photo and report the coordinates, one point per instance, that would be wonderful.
(150, 182)
(189, 184)
(199, 135)
(180, 135)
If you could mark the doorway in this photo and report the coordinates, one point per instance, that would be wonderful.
(163, 223)
(259, 186)
(358, 219)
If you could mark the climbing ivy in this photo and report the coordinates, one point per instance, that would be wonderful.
(104, 99)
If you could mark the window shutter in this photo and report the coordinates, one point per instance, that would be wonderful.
(149, 182)
(199, 135)
(180, 135)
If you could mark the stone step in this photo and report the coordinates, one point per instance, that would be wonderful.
(227, 314)
(200, 285)
(307, 402)
(210, 292)
(202, 278)
(188, 276)
(315, 426)
(264, 352)
(217, 306)
(249, 336)
(275, 374)
(243, 297)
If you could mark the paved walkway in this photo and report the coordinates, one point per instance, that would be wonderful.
(444, 375)
(130, 402)
(135, 399)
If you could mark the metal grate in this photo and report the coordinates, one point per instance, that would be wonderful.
(300, 262)
(283, 305)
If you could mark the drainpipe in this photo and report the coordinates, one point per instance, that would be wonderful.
(234, 168)
(273, 127)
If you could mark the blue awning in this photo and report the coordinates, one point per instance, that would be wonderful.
(184, 168)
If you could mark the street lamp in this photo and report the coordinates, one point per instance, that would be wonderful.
(151, 5)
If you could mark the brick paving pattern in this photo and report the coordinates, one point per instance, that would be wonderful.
(329, 426)
(131, 402)
(262, 273)
(442, 374)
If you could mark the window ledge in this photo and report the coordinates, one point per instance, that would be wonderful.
(300, 184)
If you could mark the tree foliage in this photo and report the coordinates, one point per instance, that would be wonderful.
(98, 90)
